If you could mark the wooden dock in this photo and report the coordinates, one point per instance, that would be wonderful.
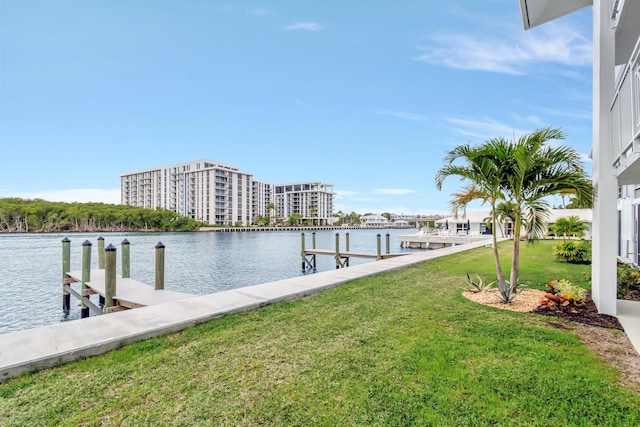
(342, 258)
(351, 254)
(130, 293)
(117, 292)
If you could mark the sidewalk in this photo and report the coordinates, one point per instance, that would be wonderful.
(47, 346)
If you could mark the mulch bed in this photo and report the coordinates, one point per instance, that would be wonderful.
(587, 315)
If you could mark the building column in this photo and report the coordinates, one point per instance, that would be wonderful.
(605, 214)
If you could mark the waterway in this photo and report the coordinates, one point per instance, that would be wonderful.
(198, 263)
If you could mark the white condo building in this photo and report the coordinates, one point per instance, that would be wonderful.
(220, 194)
(312, 201)
(615, 148)
(263, 198)
(206, 190)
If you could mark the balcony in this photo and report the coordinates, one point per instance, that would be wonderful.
(625, 122)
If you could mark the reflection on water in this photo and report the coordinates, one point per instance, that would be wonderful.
(197, 263)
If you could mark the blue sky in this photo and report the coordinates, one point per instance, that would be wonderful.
(367, 95)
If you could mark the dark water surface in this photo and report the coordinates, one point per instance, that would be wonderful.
(197, 263)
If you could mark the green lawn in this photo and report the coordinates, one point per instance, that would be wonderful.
(402, 348)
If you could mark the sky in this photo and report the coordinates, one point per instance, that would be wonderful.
(367, 95)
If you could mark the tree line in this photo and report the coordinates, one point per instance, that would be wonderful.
(37, 215)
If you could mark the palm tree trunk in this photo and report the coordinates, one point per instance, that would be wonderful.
(515, 265)
(494, 236)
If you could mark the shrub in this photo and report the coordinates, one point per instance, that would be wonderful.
(563, 295)
(574, 252)
(628, 280)
(477, 286)
(507, 295)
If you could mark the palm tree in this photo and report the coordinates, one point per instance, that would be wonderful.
(482, 169)
(313, 212)
(521, 173)
(572, 225)
(535, 171)
(271, 208)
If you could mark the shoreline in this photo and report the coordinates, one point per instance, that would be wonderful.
(212, 229)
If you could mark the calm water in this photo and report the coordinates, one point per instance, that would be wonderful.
(197, 263)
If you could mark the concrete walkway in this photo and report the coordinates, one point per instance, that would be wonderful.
(629, 317)
(47, 346)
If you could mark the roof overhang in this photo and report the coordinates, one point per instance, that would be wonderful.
(536, 12)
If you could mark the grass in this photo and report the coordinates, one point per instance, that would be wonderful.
(402, 348)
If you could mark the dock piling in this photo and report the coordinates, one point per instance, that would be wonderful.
(101, 263)
(109, 276)
(159, 283)
(101, 253)
(86, 277)
(66, 267)
(126, 259)
(313, 240)
(346, 236)
(379, 257)
(303, 253)
(388, 237)
(337, 250)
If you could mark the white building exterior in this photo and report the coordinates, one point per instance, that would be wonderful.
(206, 190)
(616, 131)
(220, 194)
(312, 201)
(263, 197)
(375, 221)
(474, 223)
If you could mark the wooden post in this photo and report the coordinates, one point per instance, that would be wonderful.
(388, 243)
(86, 276)
(379, 257)
(347, 241)
(101, 253)
(337, 250)
(313, 240)
(159, 284)
(302, 252)
(109, 276)
(126, 259)
(66, 267)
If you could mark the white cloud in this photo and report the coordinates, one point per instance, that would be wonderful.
(511, 53)
(401, 115)
(531, 118)
(393, 191)
(70, 195)
(484, 129)
(308, 26)
(340, 194)
(585, 115)
(259, 12)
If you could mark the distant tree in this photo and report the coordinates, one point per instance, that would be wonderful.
(22, 215)
(313, 212)
(354, 218)
(272, 210)
(293, 220)
(571, 226)
(580, 203)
